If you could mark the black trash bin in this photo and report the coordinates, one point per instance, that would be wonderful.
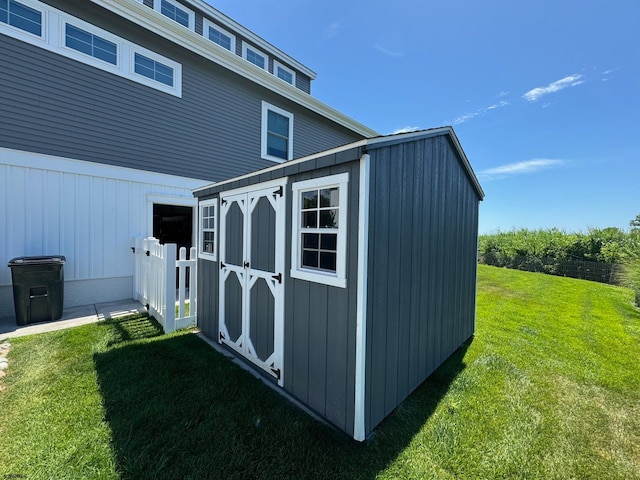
(38, 288)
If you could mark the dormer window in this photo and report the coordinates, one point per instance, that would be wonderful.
(176, 12)
(254, 56)
(219, 36)
(284, 73)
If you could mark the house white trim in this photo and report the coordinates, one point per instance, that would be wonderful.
(170, 30)
(53, 40)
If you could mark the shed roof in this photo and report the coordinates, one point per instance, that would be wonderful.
(348, 152)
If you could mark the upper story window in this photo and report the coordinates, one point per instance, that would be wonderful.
(46, 27)
(177, 12)
(220, 36)
(277, 133)
(208, 219)
(153, 69)
(284, 73)
(90, 44)
(254, 56)
(21, 16)
(319, 210)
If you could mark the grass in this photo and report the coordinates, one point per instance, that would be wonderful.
(549, 387)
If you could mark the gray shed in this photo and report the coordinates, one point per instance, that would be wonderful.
(346, 277)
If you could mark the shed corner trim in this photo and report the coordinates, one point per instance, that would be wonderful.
(359, 424)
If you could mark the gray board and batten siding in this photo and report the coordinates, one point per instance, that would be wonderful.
(421, 275)
(213, 132)
(421, 283)
(319, 320)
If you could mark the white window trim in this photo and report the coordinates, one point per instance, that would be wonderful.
(202, 254)
(157, 6)
(265, 109)
(177, 71)
(23, 35)
(277, 65)
(246, 47)
(53, 40)
(338, 279)
(209, 24)
(86, 58)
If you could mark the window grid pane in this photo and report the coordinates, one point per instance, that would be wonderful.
(277, 135)
(285, 75)
(255, 58)
(154, 70)
(220, 38)
(175, 13)
(20, 16)
(91, 44)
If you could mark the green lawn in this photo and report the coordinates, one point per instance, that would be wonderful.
(549, 387)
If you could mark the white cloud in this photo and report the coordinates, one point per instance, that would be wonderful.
(333, 29)
(405, 130)
(526, 167)
(480, 111)
(566, 82)
(388, 52)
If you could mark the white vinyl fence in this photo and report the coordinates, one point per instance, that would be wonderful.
(156, 270)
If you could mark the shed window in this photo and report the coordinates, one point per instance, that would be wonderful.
(208, 219)
(21, 16)
(319, 230)
(277, 133)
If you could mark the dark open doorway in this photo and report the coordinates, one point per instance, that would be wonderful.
(173, 224)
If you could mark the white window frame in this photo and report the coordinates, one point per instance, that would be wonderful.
(209, 24)
(201, 230)
(25, 36)
(157, 6)
(339, 278)
(53, 40)
(277, 65)
(83, 57)
(265, 131)
(246, 47)
(150, 82)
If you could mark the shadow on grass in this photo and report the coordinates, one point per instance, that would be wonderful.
(179, 409)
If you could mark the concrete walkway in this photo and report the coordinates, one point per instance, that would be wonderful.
(71, 317)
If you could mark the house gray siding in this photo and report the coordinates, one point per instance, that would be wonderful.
(54, 105)
(421, 282)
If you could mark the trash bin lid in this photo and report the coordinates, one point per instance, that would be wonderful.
(42, 260)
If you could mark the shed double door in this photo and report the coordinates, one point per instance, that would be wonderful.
(252, 275)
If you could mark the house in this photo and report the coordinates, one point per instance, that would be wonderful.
(348, 276)
(112, 111)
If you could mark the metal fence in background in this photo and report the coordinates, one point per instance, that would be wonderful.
(575, 268)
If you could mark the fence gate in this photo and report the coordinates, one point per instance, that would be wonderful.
(252, 274)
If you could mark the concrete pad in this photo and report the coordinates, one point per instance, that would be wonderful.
(71, 317)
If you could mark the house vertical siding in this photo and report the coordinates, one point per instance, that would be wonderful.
(86, 212)
(422, 267)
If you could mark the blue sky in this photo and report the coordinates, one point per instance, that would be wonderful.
(544, 96)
